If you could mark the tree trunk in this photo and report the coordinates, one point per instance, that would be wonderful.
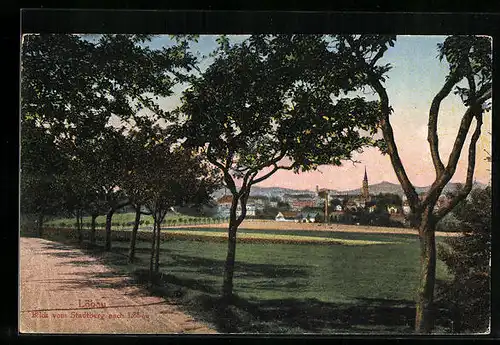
(40, 225)
(109, 216)
(157, 252)
(79, 226)
(326, 208)
(234, 222)
(92, 229)
(151, 259)
(424, 318)
(133, 238)
(227, 287)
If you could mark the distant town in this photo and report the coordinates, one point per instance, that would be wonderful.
(382, 204)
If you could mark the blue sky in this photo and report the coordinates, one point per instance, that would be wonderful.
(416, 76)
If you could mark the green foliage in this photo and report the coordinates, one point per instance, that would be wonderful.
(42, 166)
(70, 88)
(468, 57)
(468, 259)
(335, 202)
(283, 206)
(160, 174)
(383, 200)
(268, 98)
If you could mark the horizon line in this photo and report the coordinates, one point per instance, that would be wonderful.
(370, 184)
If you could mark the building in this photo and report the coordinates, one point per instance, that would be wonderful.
(298, 217)
(353, 203)
(299, 204)
(287, 216)
(406, 206)
(259, 203)
(392, 209)
(224, 207)
(365, 193)
(273, 204)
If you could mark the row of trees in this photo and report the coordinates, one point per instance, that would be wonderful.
(74, 160)
(268, 103)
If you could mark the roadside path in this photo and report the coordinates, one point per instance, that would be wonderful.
(63, 290)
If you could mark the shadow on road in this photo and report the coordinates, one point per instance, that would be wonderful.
(201, 297)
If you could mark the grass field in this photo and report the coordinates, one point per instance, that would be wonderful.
(310, 233)
(121, 218)
(290, 288)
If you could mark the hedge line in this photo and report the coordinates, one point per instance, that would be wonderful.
(124, 235)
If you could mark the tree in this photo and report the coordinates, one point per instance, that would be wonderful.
(265, 105)
(468, 259)
(73, 198)
(470, 76)
(283, 205)
(110, 157)
(383, 200)
(72, 86)
(334, 202)
(161, 175)
(42, 165)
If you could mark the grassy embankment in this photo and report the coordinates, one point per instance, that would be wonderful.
(291, 288)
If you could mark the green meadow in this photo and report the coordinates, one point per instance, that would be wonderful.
(364, 283)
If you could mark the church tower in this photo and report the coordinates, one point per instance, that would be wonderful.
(364, 191)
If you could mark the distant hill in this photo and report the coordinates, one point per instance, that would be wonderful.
(266, 191)
(388, 187)
(377, 188)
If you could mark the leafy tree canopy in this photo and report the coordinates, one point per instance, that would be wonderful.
(262, 103)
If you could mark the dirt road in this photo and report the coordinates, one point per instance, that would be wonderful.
(63, 290)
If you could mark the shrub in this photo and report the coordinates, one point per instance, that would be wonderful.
(468, 259)
(448, 223)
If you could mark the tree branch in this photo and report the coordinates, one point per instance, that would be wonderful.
(432, 136)
(438, 185)
(387, 131)
(227, 177)
(123, 204)
(254, 171)
(379, 54)
(392, 149)
(472, 84)
(470, 173)
(263, 177)
(243, 201)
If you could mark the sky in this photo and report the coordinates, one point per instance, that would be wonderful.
(416, 76)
